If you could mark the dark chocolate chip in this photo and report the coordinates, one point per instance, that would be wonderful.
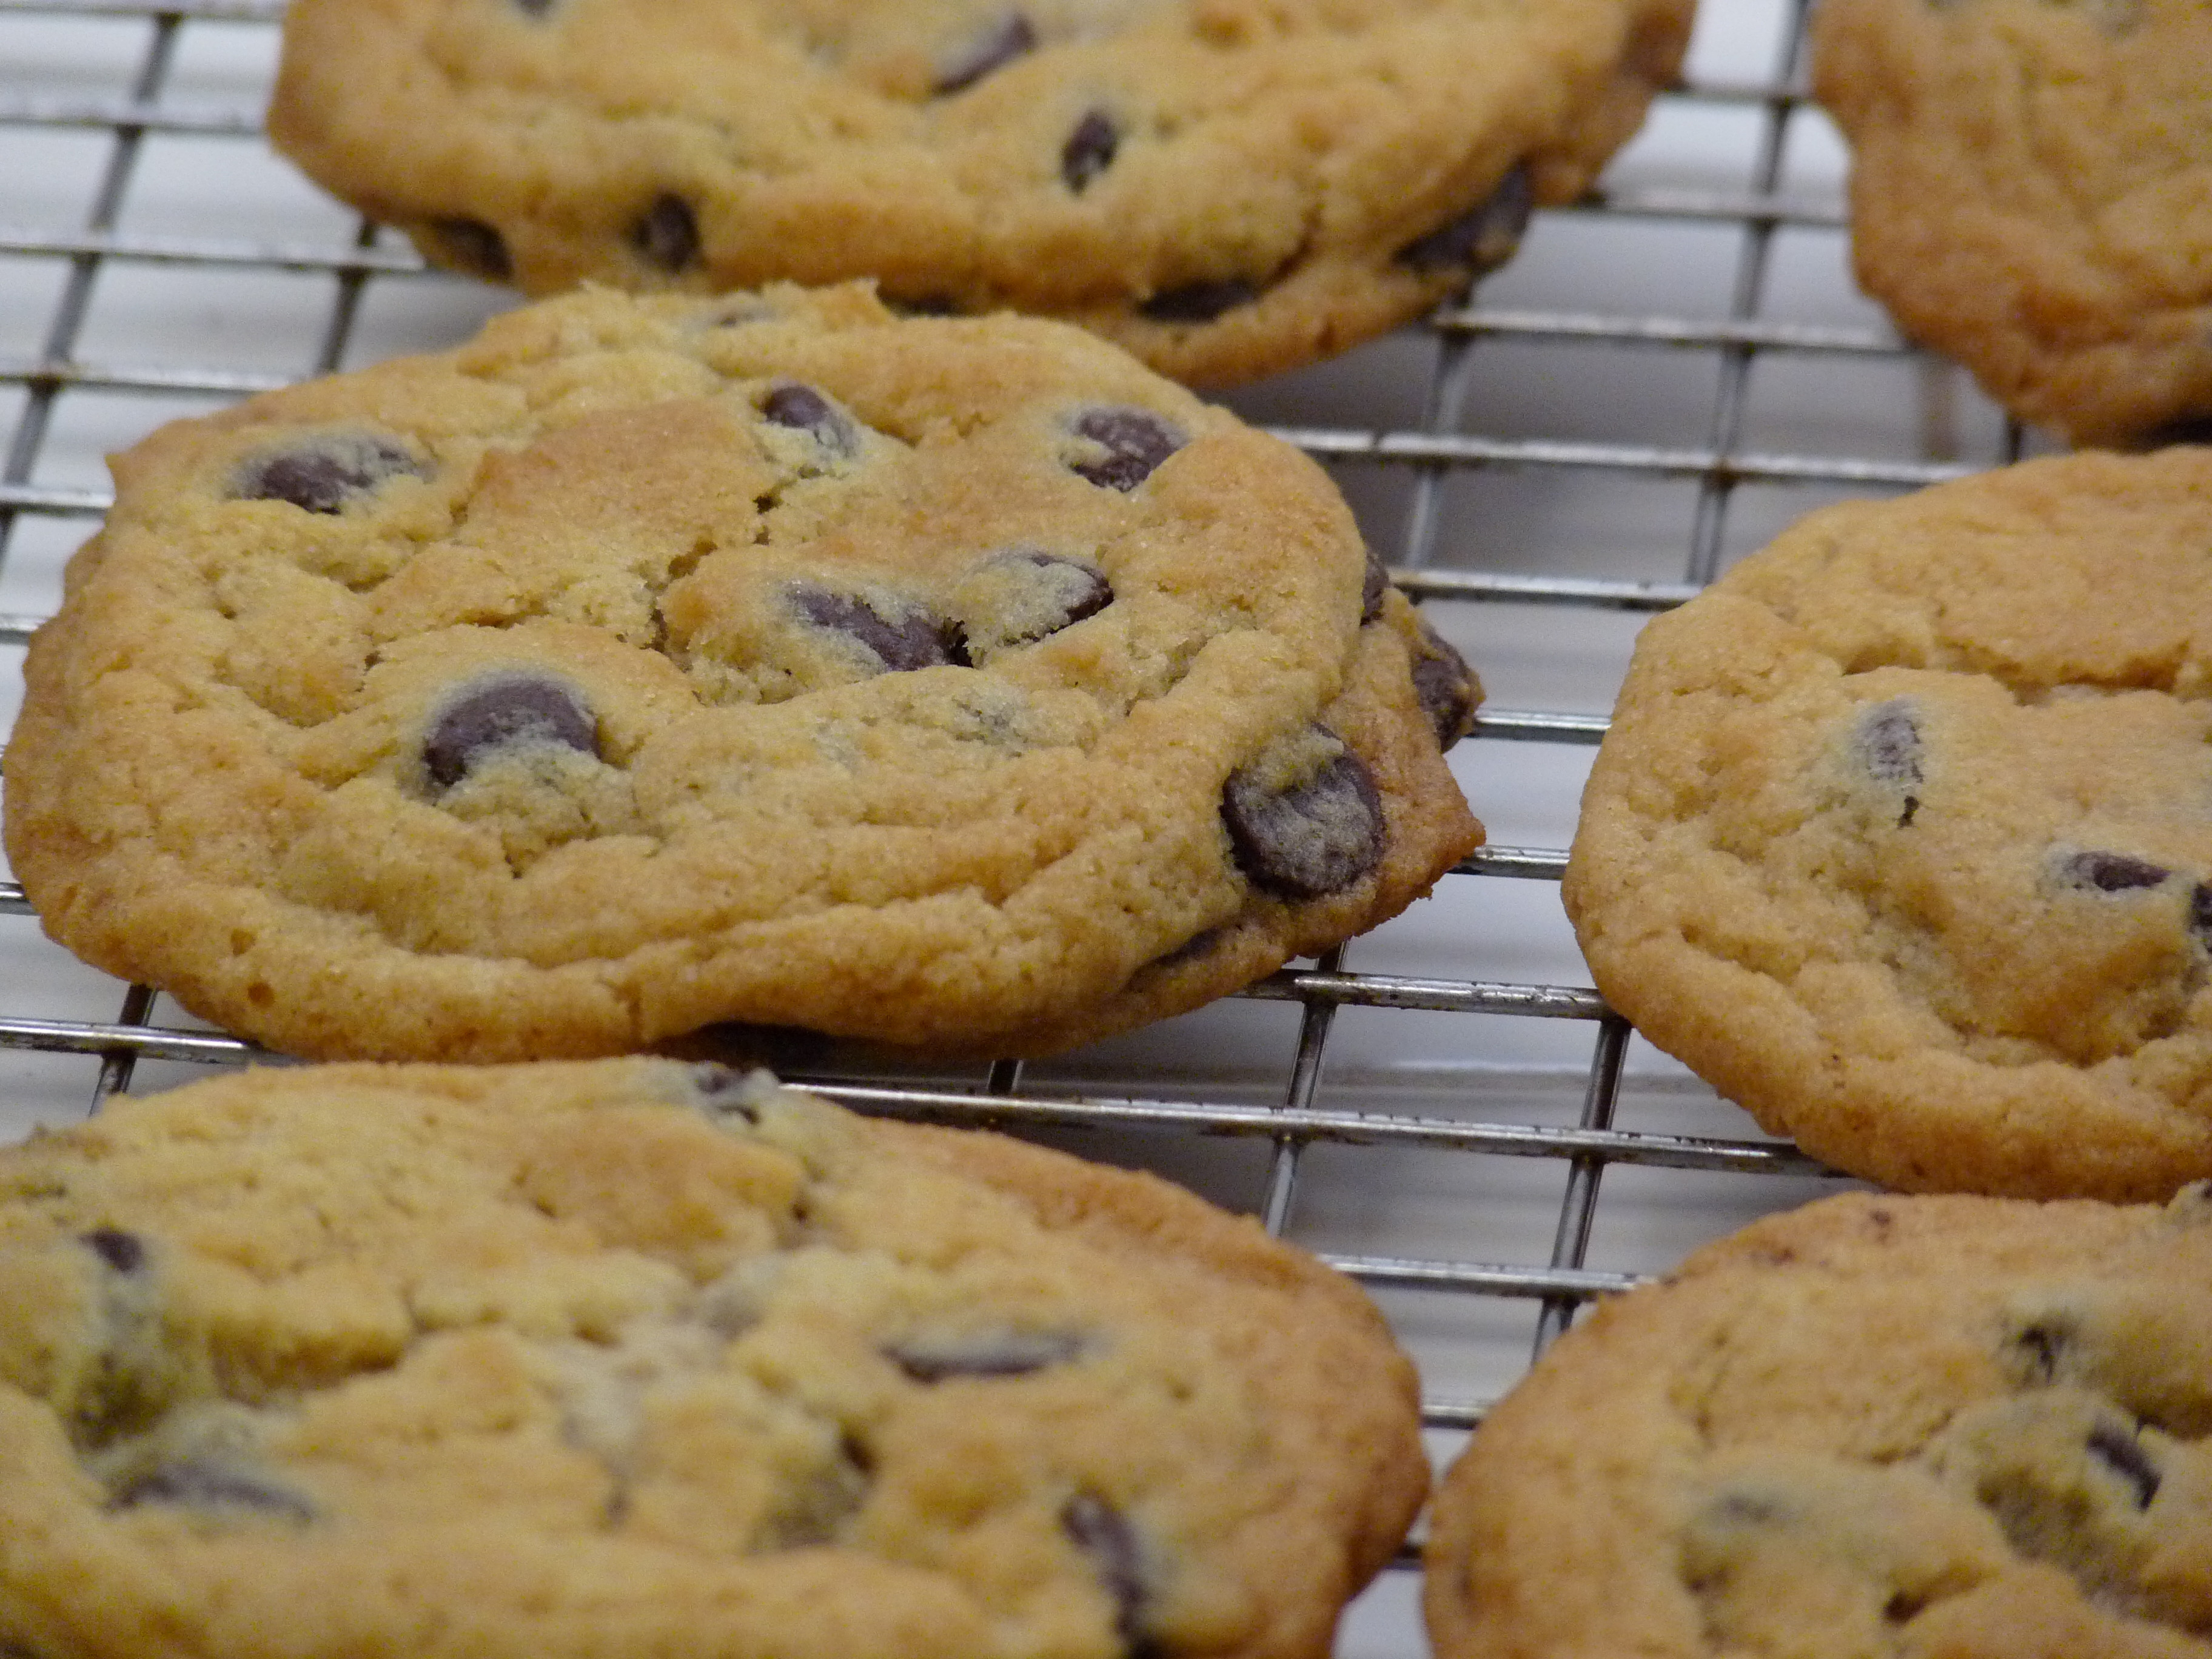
(667, 233)
(913, 639)
(2123, 1454)
(197, 1484)
(805, 410)
(322, 473)
(2200, 913)
(1046, 593)
(2110, 872)
(1311, 839)
(474, 245)
(1104, 1533)
(510, 708)
(1481, 239)
(1090, 149)
(1372, 586)
(1136, 441)
(724, 1089)
(1012, 36)
(1002, 1353)
(2041, 1345)
(124, 1252)
(533, 7)
(1888, 739)
(1444, 687)
(1198, 302)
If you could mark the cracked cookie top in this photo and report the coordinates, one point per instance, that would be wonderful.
(632, 1356)
(1902, 834)
(2031, 193)
(647, 665)
(1875, 1425)
(1226, 187)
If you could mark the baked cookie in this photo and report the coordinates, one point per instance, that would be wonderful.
(1226, 187)
(2031, 192)
(1899, 836)
(1967, 1427)
(649, 664)
(630, 1357)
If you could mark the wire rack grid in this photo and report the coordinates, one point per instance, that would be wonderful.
(1669, 372)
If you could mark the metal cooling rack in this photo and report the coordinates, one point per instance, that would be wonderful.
(1669, 373)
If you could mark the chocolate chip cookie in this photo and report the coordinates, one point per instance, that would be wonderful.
(1226, 187)
(649, 664)
(630, 1357)
(1975, 1427)
(1902, 833)
(2031, 193)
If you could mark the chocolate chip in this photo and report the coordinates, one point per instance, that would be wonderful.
(509, 709)
(1888, 740)
(1012, 36)
(1481, 239)
(1002, 1353)
(1136, 441)
(1104, 1533)
(2123, 1454)
(1305, 837)
(805, 410)
(667, 233)
(2200, 913)
(195, 1483)
(2110, 872)
(474, 245)
(725, 1089)
(322, 473)
(1444, 687)
(2041, 1346)
(913, 639)
(1372, 586)
(124, 1252)
(1023, 595)
(1090, 149)
(1198, 302)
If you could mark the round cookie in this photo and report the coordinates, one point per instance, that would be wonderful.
(1900, 834)
(1967, 1427)
(647, 664)
(2031, 193)
(1226, 187)
(630, 1357)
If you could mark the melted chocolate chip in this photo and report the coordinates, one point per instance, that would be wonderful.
(196, 1484)
(2039, 1345)
(124, 1252)
(1372, 586)
(1002, 1353)
(1198, 302)
(1013, 36)
(805, 410)
(2123, 1454)
(1090, 149)
(1444, 687)
(1104, 1533)
(724, 1089)
(533, 8)
(474, 245)
(2110, 872)
(913, 639)
(1310, 838)
(322, 473)
(1136, 441)
(2200, 915)
(1888, 739)
(667, 233)
(511, 708)
(1023, 595)
(1481, 239)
